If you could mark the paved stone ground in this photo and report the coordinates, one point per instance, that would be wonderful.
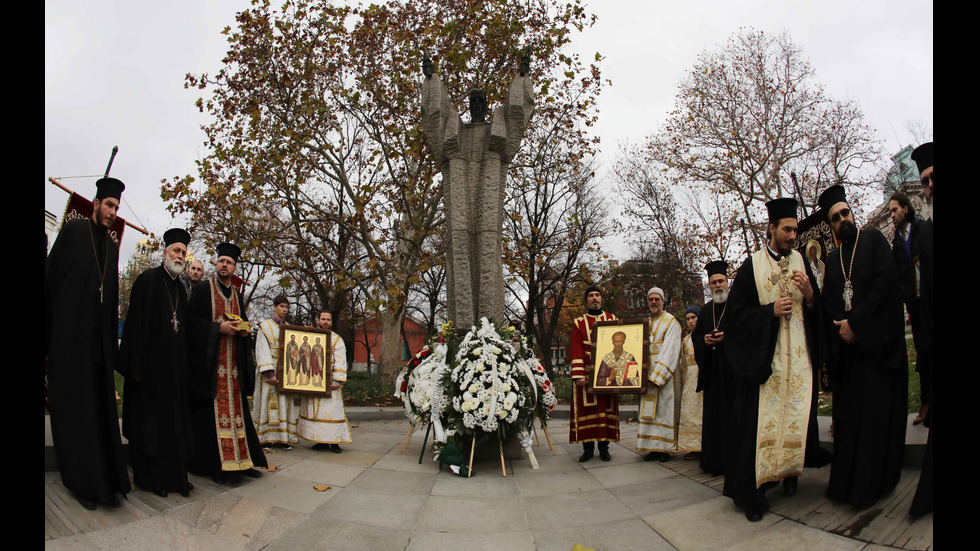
(381, 498)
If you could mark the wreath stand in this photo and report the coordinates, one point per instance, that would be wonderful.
(546, 435)
(408, 437)
(503, 467)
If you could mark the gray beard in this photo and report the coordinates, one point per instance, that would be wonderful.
(174, 267)
(720, 296)
(927, 210)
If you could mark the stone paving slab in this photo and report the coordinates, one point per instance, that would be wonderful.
(485, 515)
(423, 540)
(630, 534)
(381, 499)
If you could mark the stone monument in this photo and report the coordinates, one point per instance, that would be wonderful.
(473, 158)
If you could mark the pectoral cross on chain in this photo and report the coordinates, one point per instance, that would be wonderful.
(848, 295)
(784, 264)
(176, 323)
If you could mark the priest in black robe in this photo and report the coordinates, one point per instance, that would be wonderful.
(153, 358)
(754, 330)
(922, 155)
(222, 377)
(714, 374)
(81, 302)
(867, 363)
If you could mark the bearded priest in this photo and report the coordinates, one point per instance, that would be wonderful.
(153, 358)
(714, 373)
(772, 347)
(868, 363)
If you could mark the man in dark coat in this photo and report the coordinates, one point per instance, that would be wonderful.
(81, 302)
(153, 357)
(867, 363)
(222, 377)
(905, 249)
(772, 347)
(714, 374)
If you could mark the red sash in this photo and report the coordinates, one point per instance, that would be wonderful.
(228, 407)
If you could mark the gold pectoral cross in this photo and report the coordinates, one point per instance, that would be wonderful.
(174, 321)
(848, 295)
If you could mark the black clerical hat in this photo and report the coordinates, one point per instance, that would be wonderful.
(109, 187)
(592, 288)
(922, 156)
(717, 267)
(228, 249)
(176, 235)
(784, 207)
(830, 197)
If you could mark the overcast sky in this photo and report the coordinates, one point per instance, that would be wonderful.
(114, 75)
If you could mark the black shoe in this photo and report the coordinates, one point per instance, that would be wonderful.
(161, 493)
(234, 477)
(114, 502)
(285, 446)
(754, 515)
(664, 457)
(586, 455)
(251, 473)
(335, 448)
(321, 447)
(186, 492)
(652, 456)
(87, 503)
(604, 454)
(220, 478)
(790, 484)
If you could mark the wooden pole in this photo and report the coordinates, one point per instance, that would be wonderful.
(128, 223)
(503, 467)
(548, 436)
(411, 431)
(469, 469)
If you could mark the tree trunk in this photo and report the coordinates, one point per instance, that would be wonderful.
(390, 362)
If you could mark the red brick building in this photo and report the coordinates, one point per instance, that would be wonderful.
(368, 338)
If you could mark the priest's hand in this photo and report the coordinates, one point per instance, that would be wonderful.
(581, 382)
(782, 307)
(802, 283)
(270, 377)
(334, 386)
(846, 334)
(228, 327)
(714, 339)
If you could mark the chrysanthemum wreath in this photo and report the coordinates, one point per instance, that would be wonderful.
(487, 386)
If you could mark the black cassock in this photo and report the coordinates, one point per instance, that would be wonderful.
(715, 381)
(153, 357)
(750, 343)
(869, 379)
(80, 343)
(203, 378)
(922, 502)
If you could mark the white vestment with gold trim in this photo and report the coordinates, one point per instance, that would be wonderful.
(657, 430)
(784, 399)
(274, 414)
(323, 419)
(692, 404)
